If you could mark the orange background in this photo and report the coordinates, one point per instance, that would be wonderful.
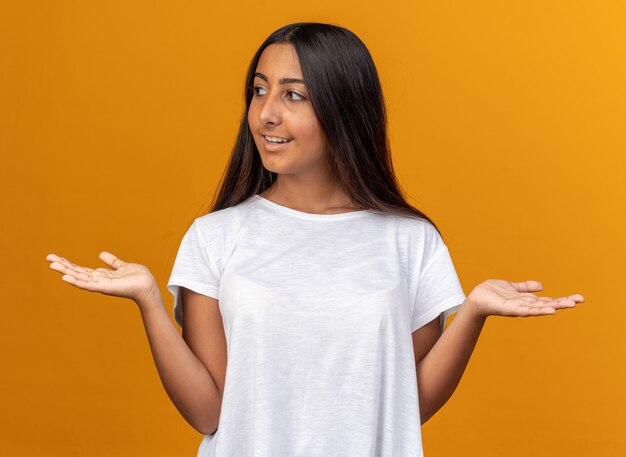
(508, 128)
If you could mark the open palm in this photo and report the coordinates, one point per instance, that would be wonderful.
(497, 297)
(129, 280)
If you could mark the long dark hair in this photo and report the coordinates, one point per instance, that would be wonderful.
(347, 97)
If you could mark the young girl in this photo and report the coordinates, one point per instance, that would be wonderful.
(312, 297)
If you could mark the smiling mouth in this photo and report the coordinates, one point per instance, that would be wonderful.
(276, 139)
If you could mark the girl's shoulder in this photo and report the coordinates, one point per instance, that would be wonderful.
(227, 221)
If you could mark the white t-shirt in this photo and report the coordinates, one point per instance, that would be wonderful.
(318, 311)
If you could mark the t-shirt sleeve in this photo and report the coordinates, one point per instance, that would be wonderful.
(439, 291)
(194, 268)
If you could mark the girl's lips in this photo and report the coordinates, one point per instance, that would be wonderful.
(275, 146)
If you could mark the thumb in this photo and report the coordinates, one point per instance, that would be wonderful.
(111, 260)
(528, 286)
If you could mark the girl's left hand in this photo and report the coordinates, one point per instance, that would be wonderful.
(497, 297)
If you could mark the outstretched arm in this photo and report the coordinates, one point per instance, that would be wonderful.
(439, 372)
(187, 381)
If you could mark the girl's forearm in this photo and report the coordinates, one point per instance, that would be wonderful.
(186, 380)
(439, 372)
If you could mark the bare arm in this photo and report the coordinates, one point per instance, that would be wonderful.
(184, 375)
(439, 372)
(185, 378)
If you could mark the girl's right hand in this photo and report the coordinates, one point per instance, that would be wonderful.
(128, 280)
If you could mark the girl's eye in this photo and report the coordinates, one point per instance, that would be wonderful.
(296, 94)
(291, 92)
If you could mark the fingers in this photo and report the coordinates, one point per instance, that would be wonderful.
(568, 302)
(85, 278)
(539, 311)
(77, 276)
(81, 283)
(63, 261)
(111, 260)
(542, 306)
(528, 286)
(63, 266)
(533, 286)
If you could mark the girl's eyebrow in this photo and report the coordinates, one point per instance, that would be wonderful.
(281, 80)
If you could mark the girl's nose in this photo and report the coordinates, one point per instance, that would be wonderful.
(270, 114)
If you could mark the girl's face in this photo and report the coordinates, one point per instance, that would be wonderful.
(280, 107)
